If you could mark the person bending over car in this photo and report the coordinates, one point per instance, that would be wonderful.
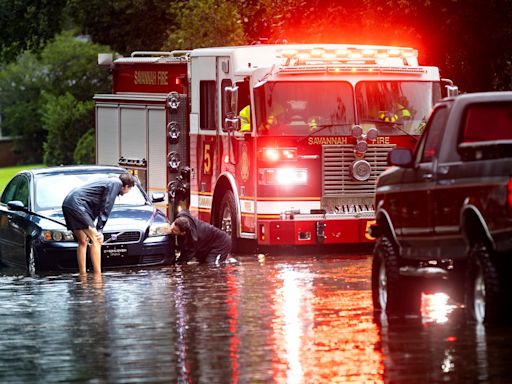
(208, 244)
(83, 205)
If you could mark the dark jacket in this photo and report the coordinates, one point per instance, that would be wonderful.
(96, 199)
(202, 240)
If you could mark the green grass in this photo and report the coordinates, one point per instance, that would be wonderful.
(7, 173)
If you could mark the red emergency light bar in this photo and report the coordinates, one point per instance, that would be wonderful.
(348, 53)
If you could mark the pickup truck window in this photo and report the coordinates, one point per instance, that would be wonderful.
(488, 122)
(429, 145)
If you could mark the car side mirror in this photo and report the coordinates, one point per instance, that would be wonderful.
(401, 157)
(157, 197)
(16, 205)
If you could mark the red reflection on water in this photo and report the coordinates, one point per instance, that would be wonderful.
(323, 333)
(234, 341)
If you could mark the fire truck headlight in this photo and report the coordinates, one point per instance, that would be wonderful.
(278, 154)
(283, 176)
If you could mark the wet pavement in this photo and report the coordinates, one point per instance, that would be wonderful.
(268, 319)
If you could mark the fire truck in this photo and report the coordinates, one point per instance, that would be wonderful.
(280, 144)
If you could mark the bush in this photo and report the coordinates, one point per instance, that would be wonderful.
(66, 120)
(85, 151)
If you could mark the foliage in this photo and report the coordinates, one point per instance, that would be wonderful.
(66, 119)
(85, 149)
(27, 25)
(467, 39)
(124, 25)
(31, 87)
(205, 23)
(21, 85)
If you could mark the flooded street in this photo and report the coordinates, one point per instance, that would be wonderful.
(278, 319)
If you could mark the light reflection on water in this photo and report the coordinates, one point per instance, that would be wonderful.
(268, 319)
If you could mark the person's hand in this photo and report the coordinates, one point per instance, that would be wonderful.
(99, 237)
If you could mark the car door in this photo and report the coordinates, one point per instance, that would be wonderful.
(416, 215)
(14, 223)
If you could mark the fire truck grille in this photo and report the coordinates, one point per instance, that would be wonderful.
(337, 179)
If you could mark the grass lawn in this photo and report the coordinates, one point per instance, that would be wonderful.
(6, 173)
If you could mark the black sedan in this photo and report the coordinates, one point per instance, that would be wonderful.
(33, 234)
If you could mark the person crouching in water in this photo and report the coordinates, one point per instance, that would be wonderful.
(83, 205)
(208, 244)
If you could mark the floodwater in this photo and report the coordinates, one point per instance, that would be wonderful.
(268, 319)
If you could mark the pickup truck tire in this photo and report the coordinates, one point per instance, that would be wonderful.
(483, 289)
(391, 292)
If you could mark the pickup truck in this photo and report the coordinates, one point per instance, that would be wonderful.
(444, 212)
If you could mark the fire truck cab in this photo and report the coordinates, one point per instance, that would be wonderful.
(281, 144)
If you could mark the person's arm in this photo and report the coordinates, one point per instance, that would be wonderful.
(110, 194)
(188, 247)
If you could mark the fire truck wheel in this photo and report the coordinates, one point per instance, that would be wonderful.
(226, 219)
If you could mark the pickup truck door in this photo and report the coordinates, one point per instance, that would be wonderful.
(417, 226)
(471, 181)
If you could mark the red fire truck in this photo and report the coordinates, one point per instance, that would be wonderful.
(276, 143)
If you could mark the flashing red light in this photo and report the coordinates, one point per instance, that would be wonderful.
(279, 154)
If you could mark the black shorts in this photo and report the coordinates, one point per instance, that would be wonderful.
(77, 219)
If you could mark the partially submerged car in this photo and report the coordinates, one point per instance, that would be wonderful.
(33, 234)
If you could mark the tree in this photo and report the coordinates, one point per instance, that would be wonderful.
(124, 25)
(28, 25)
(58, 85)
(20, 88)
(205, 23)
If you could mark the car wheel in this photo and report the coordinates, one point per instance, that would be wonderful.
(31, 260)
(483, 289)
(227, 220)
(391, 292)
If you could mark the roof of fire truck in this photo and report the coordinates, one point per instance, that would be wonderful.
(297, 57)
(289, 59)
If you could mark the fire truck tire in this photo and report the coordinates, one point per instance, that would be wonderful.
(227, 218)
(391, 292)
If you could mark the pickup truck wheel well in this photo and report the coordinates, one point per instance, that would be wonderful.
(386, 229)
(474, 231)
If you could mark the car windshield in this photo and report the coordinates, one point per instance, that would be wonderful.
(396, 107)
(50, 190)
(299, 108)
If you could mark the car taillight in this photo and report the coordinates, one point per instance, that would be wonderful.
(278, 154)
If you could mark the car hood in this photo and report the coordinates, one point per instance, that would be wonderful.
(121, 218)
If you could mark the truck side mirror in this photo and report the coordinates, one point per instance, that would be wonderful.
(231, 122)
(401, 157)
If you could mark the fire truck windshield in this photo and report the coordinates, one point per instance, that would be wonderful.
(396, 107)
(326, 108)
(299, 108)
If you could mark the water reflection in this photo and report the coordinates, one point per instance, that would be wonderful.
(269, 319)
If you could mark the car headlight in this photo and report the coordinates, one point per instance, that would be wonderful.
(56, 235)
(159, 229)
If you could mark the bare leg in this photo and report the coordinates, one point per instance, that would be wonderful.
(81, 251)
(96, 242)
